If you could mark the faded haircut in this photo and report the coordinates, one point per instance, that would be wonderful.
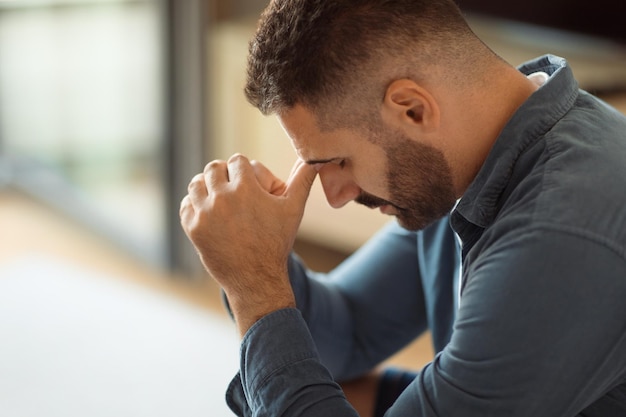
(319, 52)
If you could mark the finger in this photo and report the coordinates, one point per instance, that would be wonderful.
(268, 181)
(239, 168)
(301, 180)
(185, 204)
(197, 190)
(186, 211)
(215, 175)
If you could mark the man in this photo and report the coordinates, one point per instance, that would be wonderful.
(397, 105)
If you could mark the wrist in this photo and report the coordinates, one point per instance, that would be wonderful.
(247, 310)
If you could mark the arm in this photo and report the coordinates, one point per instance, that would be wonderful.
(242, 221)
(374, 304)
(539, 332)
(381, 298)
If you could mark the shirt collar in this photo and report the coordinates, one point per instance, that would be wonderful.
(479, 204)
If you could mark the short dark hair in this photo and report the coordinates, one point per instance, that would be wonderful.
(313, 51)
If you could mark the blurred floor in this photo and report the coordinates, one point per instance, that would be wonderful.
(76, 342)
(88, 330)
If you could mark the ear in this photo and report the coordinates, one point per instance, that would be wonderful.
(408, 105)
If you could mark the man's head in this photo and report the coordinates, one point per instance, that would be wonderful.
(360, 86)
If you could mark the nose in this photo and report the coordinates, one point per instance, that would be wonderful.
(339, 186)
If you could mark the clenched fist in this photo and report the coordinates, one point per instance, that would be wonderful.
(243, 221)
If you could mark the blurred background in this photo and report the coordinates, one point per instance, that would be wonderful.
(107, 109)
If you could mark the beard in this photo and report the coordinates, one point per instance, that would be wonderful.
(420, 184)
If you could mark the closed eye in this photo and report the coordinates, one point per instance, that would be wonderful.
(341, 162)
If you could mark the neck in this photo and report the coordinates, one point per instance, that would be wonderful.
(478, 115)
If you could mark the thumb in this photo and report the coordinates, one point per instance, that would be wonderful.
(301, 180)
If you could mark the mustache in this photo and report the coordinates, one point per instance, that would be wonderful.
(372, 201)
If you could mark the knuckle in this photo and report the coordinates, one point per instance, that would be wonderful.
(239, 158)
(196, 179)
(196, 184)
(213, 165)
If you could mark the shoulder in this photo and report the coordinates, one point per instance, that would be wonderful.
(578, 185)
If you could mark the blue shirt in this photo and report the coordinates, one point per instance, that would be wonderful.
(540, 329)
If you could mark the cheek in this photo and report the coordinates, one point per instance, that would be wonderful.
(373, 179)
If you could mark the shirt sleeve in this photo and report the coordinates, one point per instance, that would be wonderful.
(281, 374)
